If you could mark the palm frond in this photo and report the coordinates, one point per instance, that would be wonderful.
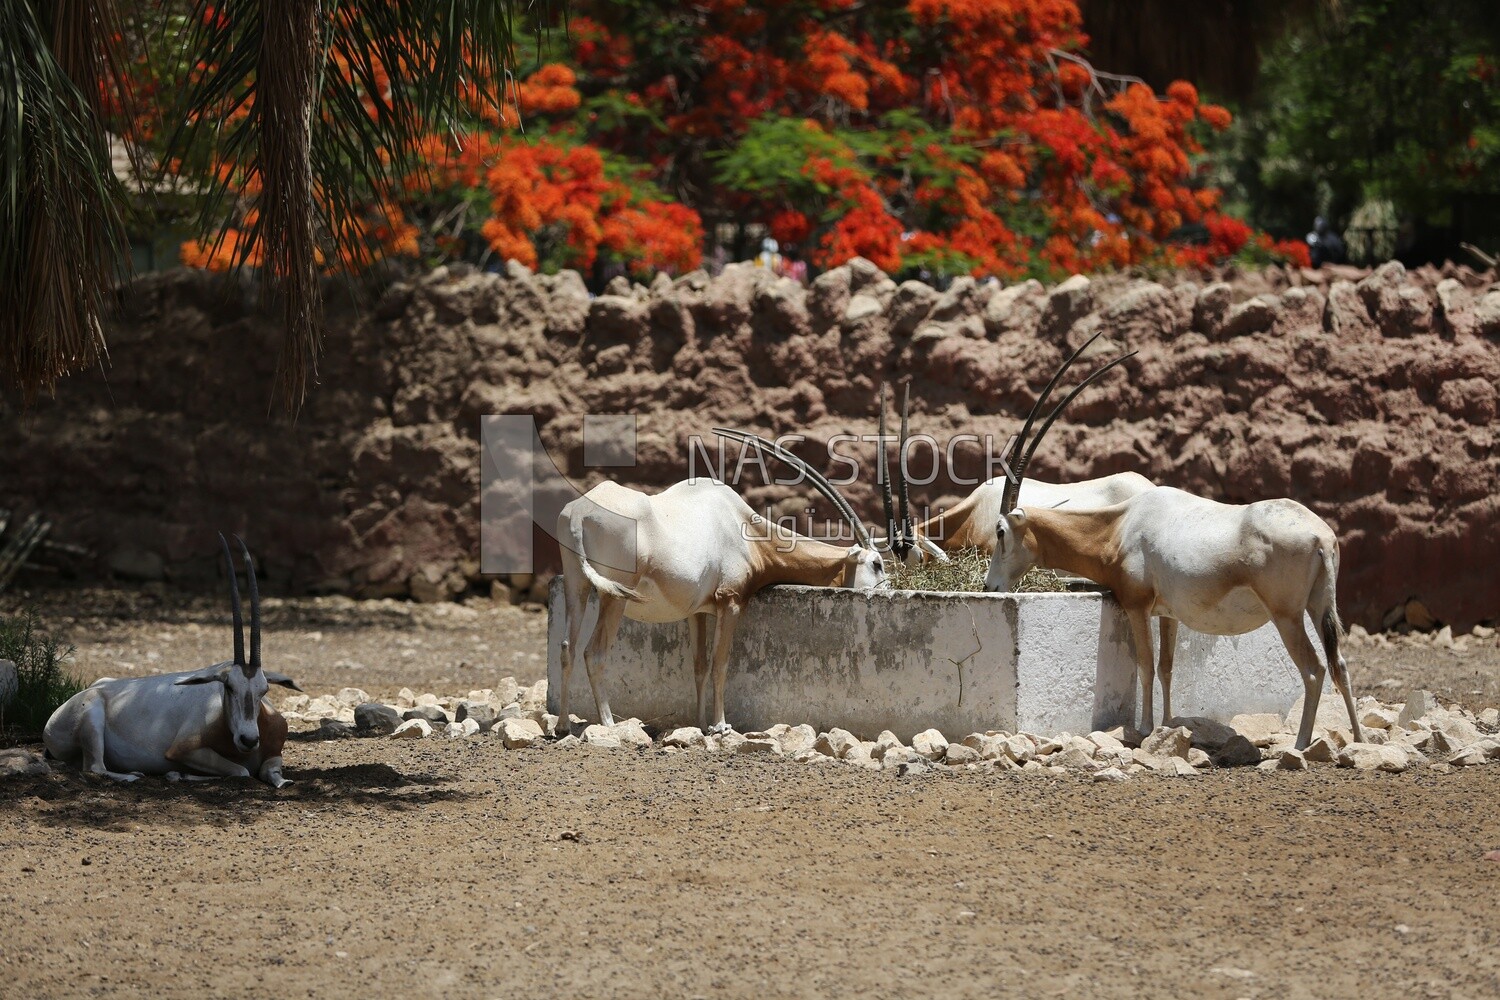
(383, 76)
(61, 206)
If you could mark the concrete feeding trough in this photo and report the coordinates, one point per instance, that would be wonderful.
(913, 660)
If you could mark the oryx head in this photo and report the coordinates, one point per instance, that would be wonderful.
(864, 565)
(1015, 541)
(244, 682)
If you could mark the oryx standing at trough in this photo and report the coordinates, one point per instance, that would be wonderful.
(200, 724)
(692, 551)
(1217, 568)
(970, 523)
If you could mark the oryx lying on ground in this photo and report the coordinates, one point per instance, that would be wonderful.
(1217, 568)
(970, 523)
(692, 551)
(201, 724)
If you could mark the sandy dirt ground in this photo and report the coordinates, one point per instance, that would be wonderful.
(458, 869)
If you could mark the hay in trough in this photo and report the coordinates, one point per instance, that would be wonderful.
(965, 573)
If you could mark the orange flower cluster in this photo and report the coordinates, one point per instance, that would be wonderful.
(958, 134)
(553, 204)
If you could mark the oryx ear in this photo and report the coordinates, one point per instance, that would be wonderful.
(208, 675)
(1018, 515)
(272, 677)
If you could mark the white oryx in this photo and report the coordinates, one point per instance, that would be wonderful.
(692, 551)
(1217, 568)
(970, 523)
(200, 724)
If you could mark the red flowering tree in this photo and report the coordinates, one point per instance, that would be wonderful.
(960, 136)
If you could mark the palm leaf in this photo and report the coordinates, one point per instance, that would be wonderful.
(61, 206)
(337, 96)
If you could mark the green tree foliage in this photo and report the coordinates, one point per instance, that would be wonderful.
(1379, 100)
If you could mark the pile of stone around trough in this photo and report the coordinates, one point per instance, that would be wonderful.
(1421, 732)
(1369, 395)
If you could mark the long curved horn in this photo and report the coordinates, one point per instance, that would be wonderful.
(883, 473)
(254, 606)
(1047, 424)
(908, 532)
(822, 485)
(1013, 481)
(234, 604)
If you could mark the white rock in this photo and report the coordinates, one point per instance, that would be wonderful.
(930, 744)
(631, 733)
(506, 691)
(686, 738)
(1377, 716)
(1490, 717)
(1459, 731)
(1165, 742)
(534, 696)
(1074, 758)
(412, 729)
(470, 727)
(1104, 741)
(427, 700)
(796, 740)
(1260, 728)
(1321, 751)
(724, 742)
(1419, 704)
(455, 730)
(1370, 757)
(1111, 774)
(1019, 749)
(959, 753)
(835, 743)
(598, 736)
(518, 733)
(1483, 751)
(406, 698)
(1198, 758)
(759, 743)
(1291, 760)
(352, 697)
(859, 754)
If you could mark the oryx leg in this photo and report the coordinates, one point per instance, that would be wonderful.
(1145, 660)
(575, 601)
(611, 611)
(698, 643)
(1294, 637)
(208, 763)
(729, 617)
(1326, 621)
(89, 735)
(270, 773)
(1164, 664)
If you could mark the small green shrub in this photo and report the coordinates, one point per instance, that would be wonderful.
(964, 573)
(42, 684)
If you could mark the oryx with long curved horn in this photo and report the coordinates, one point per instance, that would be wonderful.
(1220, 569)
(693, 551)
(200, 724)
(970, 523)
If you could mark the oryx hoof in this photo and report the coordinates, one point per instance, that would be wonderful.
(720, 728)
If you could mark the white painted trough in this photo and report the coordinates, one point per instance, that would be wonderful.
(911, 660)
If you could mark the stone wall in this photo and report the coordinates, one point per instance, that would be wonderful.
(1371, 397)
